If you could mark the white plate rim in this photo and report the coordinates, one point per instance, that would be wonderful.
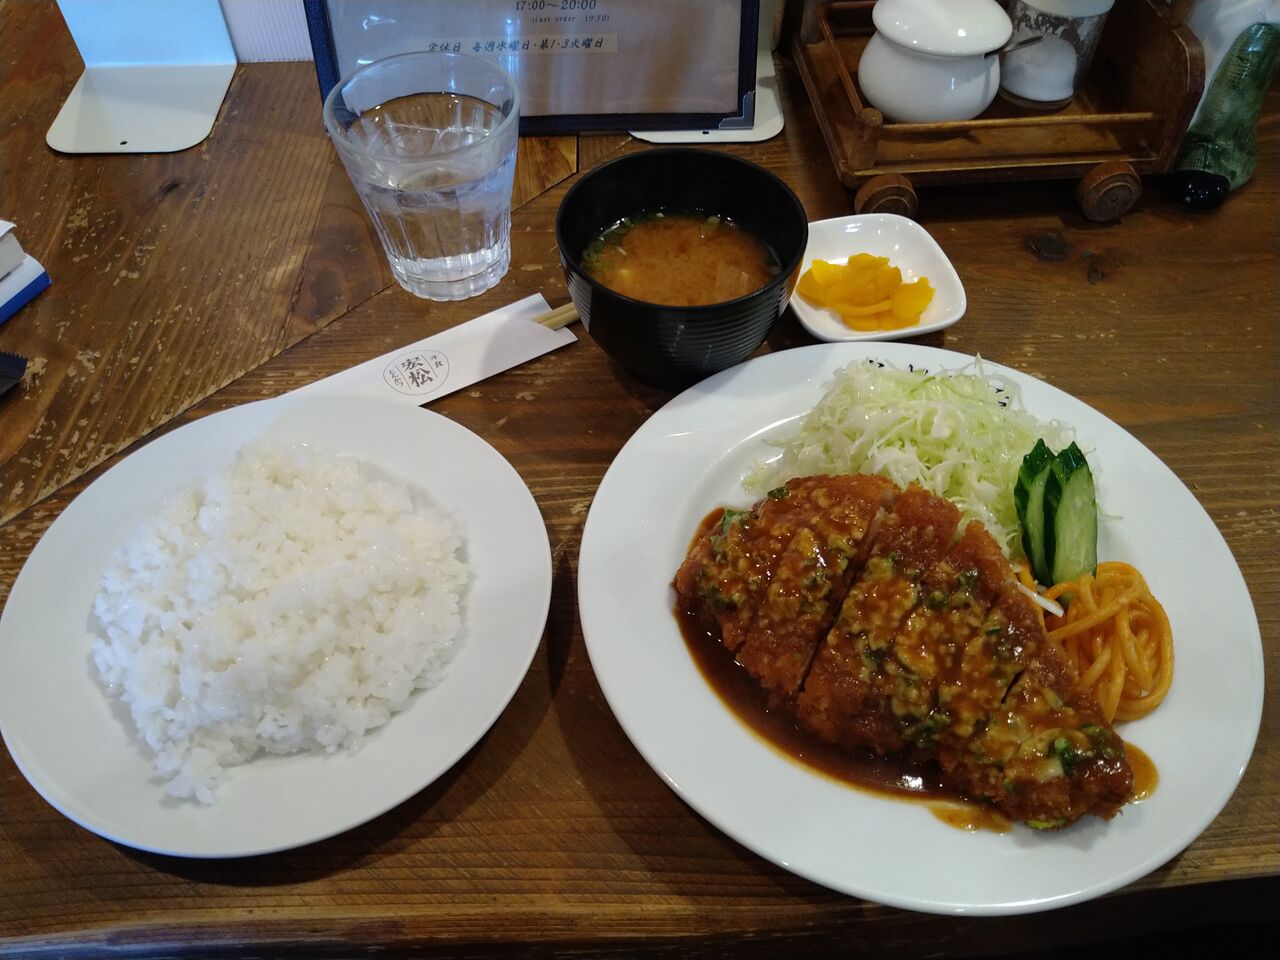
(453, 468)
(702, 437)
(825, 325)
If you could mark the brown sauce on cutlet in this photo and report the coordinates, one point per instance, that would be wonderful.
(744, 696)
(1145, 775)
(976, 816)
(971, 817)
(748, 701)
(895, 777)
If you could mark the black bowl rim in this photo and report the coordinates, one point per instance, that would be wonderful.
(574, 261)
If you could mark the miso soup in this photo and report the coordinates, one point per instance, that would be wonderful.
(680, 259)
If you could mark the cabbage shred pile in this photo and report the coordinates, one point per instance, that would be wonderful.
(961, 435)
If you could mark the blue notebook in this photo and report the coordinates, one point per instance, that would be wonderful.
(21, 284)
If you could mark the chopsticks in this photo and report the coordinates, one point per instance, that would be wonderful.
(561, 316)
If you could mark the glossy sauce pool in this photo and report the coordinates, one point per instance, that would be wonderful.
(746, 698)
(896, 778)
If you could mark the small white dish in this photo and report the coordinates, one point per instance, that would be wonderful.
(908, 246)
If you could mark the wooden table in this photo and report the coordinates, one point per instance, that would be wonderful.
(244, 267)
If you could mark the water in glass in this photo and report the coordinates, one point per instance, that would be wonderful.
(436, 180)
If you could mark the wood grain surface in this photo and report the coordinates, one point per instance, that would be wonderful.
(243, 268)
(174, 273)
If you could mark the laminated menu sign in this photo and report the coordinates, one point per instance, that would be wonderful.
(579, 64)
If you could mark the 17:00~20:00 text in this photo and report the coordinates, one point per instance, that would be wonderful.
(539, 5)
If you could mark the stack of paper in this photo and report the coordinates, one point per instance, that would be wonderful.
(21, 276)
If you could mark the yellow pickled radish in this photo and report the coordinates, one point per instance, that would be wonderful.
(910, 299)
(824, 273)
(853, 310)
(810, 288)
(866, 291)
(886, 281)
(863, 286)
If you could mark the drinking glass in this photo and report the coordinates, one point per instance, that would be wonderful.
(429, 140)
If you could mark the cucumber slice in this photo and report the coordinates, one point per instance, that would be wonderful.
(1028, 498)
(1070, 517)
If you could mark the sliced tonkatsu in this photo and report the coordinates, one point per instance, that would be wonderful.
(846, 695)
(1005, 726)
(1044, 756)
(770, 579)
(993, 631)
(868, 620)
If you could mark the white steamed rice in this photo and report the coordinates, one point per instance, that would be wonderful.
(290, 602)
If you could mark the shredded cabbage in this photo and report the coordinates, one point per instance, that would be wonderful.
(961, 435)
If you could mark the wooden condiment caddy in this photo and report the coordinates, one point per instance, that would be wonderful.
(1126, 120)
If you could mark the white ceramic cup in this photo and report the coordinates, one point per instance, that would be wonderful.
(911, 86)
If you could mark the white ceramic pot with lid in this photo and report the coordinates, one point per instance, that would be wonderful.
(928, 60)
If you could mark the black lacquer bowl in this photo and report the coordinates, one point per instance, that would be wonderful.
(670, 343)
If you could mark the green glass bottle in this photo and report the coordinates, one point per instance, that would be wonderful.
(1220, 150)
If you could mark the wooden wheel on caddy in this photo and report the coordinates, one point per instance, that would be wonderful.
(1108, 191)
(887, 193)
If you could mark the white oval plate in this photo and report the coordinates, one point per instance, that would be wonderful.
(691, 457)
(908, 246)
(80, 752)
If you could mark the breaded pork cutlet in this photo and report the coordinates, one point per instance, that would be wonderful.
(845, 696)
(933, 652)
(980, 688)
(1044, 756)
(770, 579)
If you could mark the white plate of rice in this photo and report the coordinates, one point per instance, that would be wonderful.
(408, 578)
